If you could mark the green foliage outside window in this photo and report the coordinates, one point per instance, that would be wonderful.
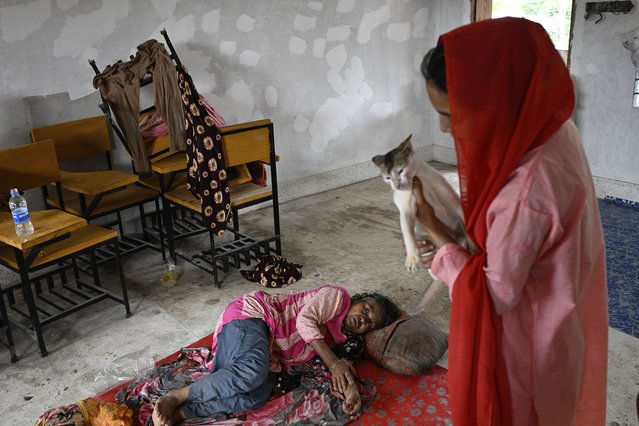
(553, 15)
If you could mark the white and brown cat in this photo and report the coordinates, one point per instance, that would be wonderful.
(398, 168)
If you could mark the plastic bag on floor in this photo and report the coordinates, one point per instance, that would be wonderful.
(134, 365)
(169, 276)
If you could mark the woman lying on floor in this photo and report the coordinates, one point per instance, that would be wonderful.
(259, 333)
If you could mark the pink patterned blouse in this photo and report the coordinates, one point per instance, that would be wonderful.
(294, 320)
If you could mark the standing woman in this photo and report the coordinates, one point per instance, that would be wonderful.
(529, 321)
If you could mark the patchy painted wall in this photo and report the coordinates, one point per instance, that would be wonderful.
(609, 125)
(443, 145)
(340, 79)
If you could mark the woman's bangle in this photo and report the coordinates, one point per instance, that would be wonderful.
(339, 361)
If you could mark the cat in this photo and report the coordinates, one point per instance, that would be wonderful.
(398, 167)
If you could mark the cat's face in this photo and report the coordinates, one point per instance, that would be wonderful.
(395, 166)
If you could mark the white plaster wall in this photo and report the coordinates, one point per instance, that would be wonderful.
(340, 79)
(609, 125)
(447, 17)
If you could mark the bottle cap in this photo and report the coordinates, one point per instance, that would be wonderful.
(14, 191)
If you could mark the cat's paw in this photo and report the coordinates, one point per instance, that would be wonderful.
(412, 263)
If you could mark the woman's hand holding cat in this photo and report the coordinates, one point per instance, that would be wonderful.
(425, 212)
(426, 217)
(427, 252)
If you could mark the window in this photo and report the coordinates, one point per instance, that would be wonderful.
(553, 15)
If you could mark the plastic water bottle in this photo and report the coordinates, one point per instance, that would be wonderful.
(20, 213)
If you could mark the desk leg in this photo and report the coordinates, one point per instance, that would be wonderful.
(158, 218)
(120, 225)
(125, 294)
(276, 226)
(7, 329)
(214, 259)
(28, 298)
(94, 269)
(236, 223)
(276, 200)
(167, 218)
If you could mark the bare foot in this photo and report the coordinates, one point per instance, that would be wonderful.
(164, 411)
(156, 416)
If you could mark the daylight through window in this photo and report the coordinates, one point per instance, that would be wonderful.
(553, 15)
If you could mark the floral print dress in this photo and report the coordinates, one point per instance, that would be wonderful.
(207, 178)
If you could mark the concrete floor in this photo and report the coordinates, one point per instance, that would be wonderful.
(349, 236)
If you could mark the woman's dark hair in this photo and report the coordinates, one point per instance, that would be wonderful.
(434, 67)
(391, 311)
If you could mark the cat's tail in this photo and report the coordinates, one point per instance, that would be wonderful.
(435, 286)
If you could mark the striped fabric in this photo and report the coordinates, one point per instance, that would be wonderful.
(294, 320)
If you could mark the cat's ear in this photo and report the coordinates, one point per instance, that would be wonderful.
(378, 160)
(406, 146)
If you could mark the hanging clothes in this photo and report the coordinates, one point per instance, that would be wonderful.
(152, 126)
(206, 177)
(119, 84)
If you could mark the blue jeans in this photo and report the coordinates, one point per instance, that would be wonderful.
(240, 378)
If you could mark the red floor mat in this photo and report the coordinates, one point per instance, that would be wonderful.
(400, 401)
(421, 400)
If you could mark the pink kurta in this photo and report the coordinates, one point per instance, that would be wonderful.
(546, 274)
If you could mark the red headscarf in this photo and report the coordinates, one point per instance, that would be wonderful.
(509, 90)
